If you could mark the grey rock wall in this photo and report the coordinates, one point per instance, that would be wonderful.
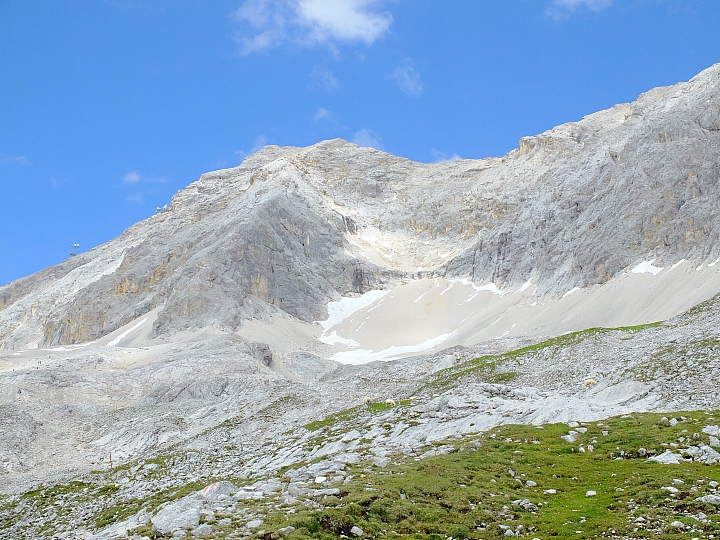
(293, 228)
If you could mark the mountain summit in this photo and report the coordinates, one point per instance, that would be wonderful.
(292, 229)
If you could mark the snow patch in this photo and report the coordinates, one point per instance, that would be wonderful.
(525, 285)
(126, 332)
(489, 287)
(343, 308)
(646, 267)
(574, 289)
(334, 339)
(363, 356)
(674, 266)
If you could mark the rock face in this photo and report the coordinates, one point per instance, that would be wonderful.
(291, 229)
(247, 256)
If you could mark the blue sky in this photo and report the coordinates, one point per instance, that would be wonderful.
(108, 107)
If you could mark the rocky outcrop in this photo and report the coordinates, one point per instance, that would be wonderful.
(291, 229)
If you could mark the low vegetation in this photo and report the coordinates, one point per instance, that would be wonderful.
(529, 481)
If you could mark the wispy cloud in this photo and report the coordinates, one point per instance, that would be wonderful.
(408, 79)
(323, 114)
(367, 137)
(270, 23)
(18, 160)
(134, 177)
(259, 143)
(442, 157)
(325, 79)
(137, 198)
(562, 9)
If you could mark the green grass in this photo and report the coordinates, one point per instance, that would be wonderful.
(124, 509)
(489, 368)
(332, 419)
(470, 493)
(354, 412)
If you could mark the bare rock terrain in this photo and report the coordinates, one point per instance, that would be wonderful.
(238, 336)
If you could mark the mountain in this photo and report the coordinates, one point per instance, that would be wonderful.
(237, 335)
(291, 229)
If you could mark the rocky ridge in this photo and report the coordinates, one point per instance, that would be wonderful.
(291, 229)
(128, 382)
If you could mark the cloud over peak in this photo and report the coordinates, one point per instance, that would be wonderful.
(20, 160)
(307, 22)
(134, 177)
(368, 138)
(561, 9)
(408, 79)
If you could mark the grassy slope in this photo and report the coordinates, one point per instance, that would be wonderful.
(469, 493)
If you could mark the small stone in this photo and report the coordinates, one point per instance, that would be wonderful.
(320, 479)
(224, 522)
(677, 482)
(202, 530)
(678, 524)
(673, 422)
(509, 532)
(590, 493)
(670, 489)
(667, 458)
(713, 484)
(254, 524)
(356, 531)
(550, 491)
(381, 462)
(664, 421)
(287, 530)
(710, 499)
(642, 452)
(530, 483)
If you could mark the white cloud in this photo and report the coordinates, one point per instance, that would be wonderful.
(442, 157)
(343, 20)
(259, 143)
(275, 22)
(325, 79)
(367, 137)
(408, 79)
(20, 160)
(323, 114)
(561, 9)
(135, 199)
(132, 178)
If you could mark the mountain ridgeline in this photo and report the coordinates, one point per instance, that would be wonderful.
(291, 229)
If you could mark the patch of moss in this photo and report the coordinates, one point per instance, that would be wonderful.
(499, 480)
(123, 509)
(485, 367)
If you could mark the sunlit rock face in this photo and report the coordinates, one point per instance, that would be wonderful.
(291, 229)
(274, 295)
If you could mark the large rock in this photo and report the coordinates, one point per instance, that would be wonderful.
(181, 514)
